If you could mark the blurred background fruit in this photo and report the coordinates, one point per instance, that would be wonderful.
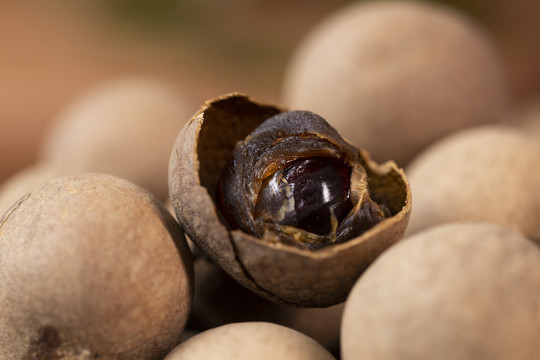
(53, 52)
(125, 127)
(395, 76)
(484, 173)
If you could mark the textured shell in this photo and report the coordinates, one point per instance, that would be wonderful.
(94, 266)
(487, 173)
(276, 271)
(455, 291)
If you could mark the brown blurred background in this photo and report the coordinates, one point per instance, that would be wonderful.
(51, 52)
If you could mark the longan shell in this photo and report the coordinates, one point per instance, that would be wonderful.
(125, 127)
(465, 291)
(488, 173)
(250, 340)
(394, 76)
(278, 272)
(92, 266)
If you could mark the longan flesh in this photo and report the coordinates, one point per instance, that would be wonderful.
(311, 192)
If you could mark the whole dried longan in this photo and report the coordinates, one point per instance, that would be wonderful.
(486, 173)
(250, 340)
(465, 291)
(124, 127)
(92, 266)
(394, 76)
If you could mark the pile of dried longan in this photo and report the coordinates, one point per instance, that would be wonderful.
(392, 214)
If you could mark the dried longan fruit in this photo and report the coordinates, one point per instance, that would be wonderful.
(125, 127)
(220, 300)
(487, 173)
(465, 291)
(250, 340)
(222, 176)
(394, 76)
(92, 267)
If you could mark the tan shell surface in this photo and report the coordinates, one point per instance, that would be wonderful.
(464, 291)
(92, 265)
(276, 271)
(394, 76)
(487, 173)
(250, 340)
(124, 127)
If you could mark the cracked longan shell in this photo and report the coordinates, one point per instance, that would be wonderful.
(276, 271)
(92, 266)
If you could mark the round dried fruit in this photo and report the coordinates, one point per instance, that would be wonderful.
(92, 267)
(124, 127)
(485, 173)
(402, 75)
(454, 291)
(250, 340)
